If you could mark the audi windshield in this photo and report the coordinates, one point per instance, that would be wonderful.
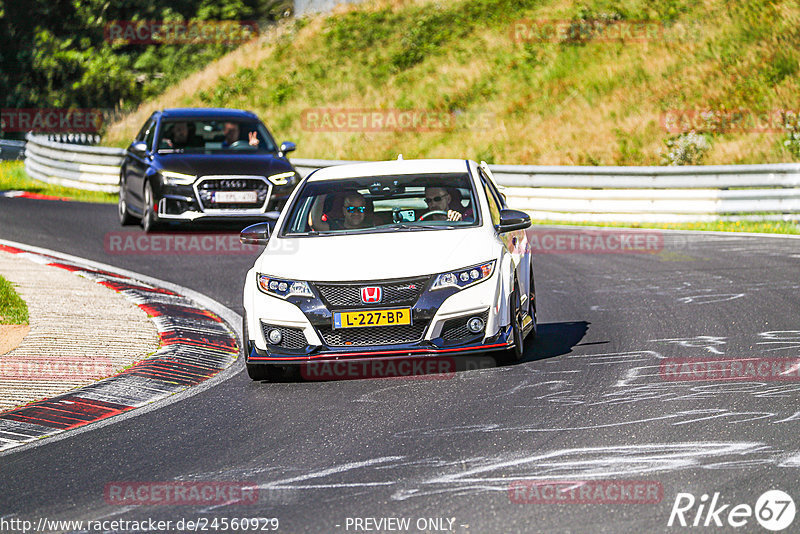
(214, 135)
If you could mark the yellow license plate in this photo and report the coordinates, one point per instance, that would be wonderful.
(360, 319)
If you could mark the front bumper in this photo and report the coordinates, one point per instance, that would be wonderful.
(439, 319)
(500, 341)
(184, 203)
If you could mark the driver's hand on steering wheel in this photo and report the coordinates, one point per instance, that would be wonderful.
(453, 215)
(253, 138)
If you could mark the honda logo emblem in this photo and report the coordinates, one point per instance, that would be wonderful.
(371, 295)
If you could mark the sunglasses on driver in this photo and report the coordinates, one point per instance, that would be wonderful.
(355, 209)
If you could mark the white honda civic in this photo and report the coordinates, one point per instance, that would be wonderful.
(395, 259)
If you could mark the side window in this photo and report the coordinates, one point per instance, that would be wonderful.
(151, 132)
(143, 132)
(497, 195)
(494, 208)
(494, 204)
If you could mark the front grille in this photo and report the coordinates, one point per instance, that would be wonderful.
(454, 329)
(405, 291)
(373, 336)
(209, 186)
(293, 338)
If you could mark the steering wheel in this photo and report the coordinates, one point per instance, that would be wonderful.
(436, 212)
(240, 144)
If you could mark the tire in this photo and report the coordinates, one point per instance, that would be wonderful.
(261, 372)
(532, 309)
(270, 373)
(149, 217)
(258, 373)
(515, 353)
(255, 372)
(125, 217)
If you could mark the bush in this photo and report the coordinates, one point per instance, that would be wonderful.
(791, 124)
(686, 149)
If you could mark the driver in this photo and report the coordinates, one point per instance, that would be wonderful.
(231, 132)
(438, 199)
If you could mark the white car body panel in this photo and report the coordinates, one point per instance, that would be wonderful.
(382, 256)
(355, 257)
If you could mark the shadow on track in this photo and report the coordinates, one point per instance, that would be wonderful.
(554, 339)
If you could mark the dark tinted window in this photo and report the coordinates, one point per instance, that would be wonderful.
(150, 135)
(213, 135)
(146, 128)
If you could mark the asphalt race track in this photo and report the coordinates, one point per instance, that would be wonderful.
(590, 402)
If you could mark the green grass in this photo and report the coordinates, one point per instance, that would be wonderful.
(14, 178)
(596, 102)
(13, 309)
(759, 227)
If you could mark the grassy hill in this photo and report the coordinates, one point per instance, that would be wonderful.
(499, 87)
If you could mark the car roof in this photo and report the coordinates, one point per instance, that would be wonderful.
(207, 113)
(390, 168)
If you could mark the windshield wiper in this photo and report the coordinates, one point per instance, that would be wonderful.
(333, 232)
(407, 226)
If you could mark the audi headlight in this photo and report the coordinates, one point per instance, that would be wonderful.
(280, 287)
(281, 178)
(177, 178)
(464, 277)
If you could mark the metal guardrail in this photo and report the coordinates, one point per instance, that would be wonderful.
(644, 194)
(626, 194)
(73, 165)
(11, 150)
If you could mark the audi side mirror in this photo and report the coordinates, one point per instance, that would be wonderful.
(286, 147)
(138, 148)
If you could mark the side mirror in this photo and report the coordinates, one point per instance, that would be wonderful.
(513, 220)
(138, 148)
(257, 234)
(286, 147)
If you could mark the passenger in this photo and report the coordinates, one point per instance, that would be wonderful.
(180, 136)
(355, 214)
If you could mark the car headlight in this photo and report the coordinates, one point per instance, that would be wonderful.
(280, 287)
(281, 178)
(177, 178)
(464, 277)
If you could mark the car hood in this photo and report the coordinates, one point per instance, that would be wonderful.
(205, 164)
(379, 256)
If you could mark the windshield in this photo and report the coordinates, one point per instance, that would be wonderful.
(211, 135)
(383, 204)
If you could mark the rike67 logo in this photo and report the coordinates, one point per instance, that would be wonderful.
(774, 510)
